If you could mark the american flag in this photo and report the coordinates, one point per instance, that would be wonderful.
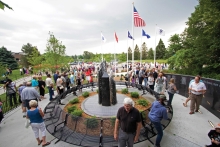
(138, 21)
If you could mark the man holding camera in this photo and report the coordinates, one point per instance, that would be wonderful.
(11, 91)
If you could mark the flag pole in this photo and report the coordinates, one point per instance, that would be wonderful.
(115, 59)
(101, 46)
(141, 48)
(133, 35)
(155, 46)
(127, 55)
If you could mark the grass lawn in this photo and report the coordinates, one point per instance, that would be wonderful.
(148, 61)
(15, 75)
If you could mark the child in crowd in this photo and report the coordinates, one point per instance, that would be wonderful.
(133, 80)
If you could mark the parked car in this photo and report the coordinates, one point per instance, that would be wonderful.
(74, 63)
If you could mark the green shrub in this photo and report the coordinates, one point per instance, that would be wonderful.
(142, 102)
(124, 91)
(143, 113)
(97, 90)
(121, 78)
(135, 94)
(71, 109)
(85, 94)
(91, 123)
(76, 100)
(77, 112)
(113, 121)
(117, 75)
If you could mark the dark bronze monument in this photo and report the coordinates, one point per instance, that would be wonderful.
(107, 87)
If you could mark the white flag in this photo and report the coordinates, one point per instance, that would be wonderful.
(103, 38)
(160, 31)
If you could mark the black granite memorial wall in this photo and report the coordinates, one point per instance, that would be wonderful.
(211, 100)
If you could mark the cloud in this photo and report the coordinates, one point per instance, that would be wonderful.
(78, 24)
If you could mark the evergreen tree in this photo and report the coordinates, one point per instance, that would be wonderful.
(27, 50)
(144, 51)
(160, 50)
(7, 59)
(129, 54)
(136, 53)
(150, 54)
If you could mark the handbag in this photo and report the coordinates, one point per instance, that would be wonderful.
(27, 123)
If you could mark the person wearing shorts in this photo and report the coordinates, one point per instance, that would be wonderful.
(35, 114)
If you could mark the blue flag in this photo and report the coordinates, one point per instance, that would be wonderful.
(144, 34)
(129, 36)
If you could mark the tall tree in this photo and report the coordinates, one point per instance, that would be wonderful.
(87, 55)
(129, 54)
(144, 51)
(55, 52)
(136, 53)
(7, 59)
(35, 57)
(150, 54)
(200, 40)
(27, 50)
(175, 44)
(160, 50)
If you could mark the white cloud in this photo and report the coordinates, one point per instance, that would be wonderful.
(78, 24)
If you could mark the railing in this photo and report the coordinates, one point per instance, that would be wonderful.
(96, 132)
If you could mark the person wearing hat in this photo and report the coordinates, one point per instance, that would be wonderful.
(129, 120)
(214, 135)
(156, 114)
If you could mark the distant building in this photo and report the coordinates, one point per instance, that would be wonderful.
(18, 55)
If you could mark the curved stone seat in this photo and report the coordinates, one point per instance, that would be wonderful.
(96, 131)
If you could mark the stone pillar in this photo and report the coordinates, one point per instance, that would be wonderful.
(105, 90)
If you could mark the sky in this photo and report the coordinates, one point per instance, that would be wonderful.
(78, 24)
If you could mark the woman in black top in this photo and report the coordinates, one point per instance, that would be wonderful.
(41, 85)
(79, 82)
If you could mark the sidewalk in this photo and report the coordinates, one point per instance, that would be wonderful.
(184, 130)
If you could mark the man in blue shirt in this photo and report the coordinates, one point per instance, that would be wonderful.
(55, 76)
(156, 114)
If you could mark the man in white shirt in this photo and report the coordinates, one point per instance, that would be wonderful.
(197, 89)
(49, 84)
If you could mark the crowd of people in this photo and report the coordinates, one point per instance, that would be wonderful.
(30, 93)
